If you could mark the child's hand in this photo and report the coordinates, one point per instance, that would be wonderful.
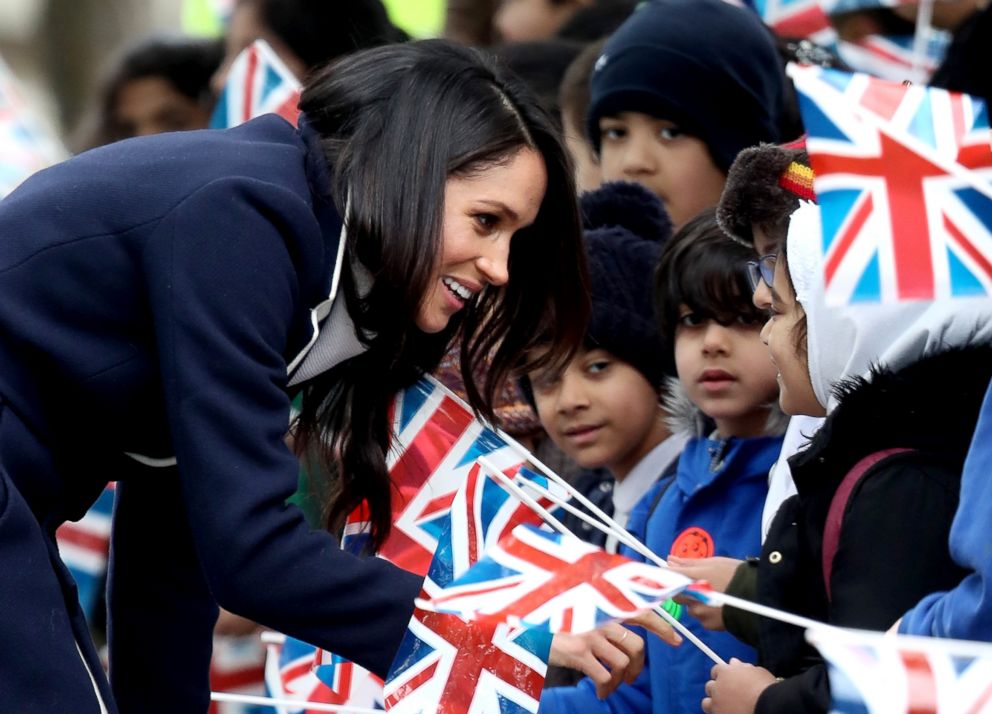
(734, 688)
(716, 571)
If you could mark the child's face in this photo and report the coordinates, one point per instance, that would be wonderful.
(726, 372)
(796, 395)
(600, 411)
(676, 166)
(522, 20)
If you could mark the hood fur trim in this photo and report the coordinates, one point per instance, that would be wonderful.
(685, 416)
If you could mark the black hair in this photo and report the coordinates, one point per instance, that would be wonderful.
(318, 31)
(597, 20)
(541, 64)
(705, 269)
(186, 63)
(396, 122)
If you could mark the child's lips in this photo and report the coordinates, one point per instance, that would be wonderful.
(714, 380)
(583, 434)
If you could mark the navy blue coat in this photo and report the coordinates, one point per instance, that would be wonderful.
(152, 296)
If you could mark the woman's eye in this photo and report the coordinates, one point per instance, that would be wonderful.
(670, 132)
(486, 220)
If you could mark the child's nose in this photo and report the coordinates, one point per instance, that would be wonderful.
(715, 338)
(572, 395)
(638, 159)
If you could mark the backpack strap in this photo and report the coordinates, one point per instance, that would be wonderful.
(835, 516)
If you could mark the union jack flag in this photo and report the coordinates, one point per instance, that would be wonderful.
(871, 673)
(290, 673)
(555, 582)
(436, 443)
(258, 83)
(904, 181)
(453, 667)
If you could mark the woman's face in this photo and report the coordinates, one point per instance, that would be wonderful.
(796, 395)
(482, 212)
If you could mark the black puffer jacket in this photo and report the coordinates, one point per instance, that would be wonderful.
(893, 546)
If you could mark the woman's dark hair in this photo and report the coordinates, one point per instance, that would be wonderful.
(396, 122)
(704, 268)
(541, 64)
(318, 31)
(185, 63)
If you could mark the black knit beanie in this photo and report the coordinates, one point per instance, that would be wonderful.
(706, 65)
(625, 229)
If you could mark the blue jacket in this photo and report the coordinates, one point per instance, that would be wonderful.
(713, 507)
(152, 295)
(966, 611)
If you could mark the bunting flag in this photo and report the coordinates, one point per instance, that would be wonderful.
(904, 181)
(257, 83)
(84, 546)
(449, 666)
(26, 146)
(872, 673)
(554, 582)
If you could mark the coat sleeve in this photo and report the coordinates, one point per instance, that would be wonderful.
(806, 692)
(965, 611)
(223, 291)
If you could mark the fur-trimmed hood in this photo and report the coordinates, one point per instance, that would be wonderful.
(685, 416)
(931, 405)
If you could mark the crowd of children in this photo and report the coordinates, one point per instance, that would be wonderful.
(829, 462)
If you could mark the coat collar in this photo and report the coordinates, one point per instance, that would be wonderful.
(325, 282)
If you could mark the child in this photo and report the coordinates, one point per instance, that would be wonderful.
(713, 504)
(677, 92)
(524, 20)
(902, 385)
(602, 409)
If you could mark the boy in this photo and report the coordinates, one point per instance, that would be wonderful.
(712, 507)
(677, 92)
(602, 409)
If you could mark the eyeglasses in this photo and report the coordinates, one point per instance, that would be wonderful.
(761, 269)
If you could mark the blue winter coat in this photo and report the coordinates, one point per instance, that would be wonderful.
(713, 505)
(152, 295)
(966, 611)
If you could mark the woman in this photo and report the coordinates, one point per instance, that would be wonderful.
(162, 300)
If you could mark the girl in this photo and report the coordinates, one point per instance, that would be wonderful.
(163, 299)
(902, 385)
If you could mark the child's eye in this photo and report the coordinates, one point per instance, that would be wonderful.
(670, 132)
(598, 366)
(612, 133)
(544, 381)
(690, 319)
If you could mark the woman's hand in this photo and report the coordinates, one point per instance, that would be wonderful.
(734, 688)
(610, 654)
(718, 573)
